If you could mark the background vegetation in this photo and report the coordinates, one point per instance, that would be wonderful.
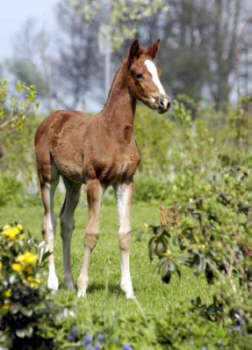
(197, 164)
(205, 49)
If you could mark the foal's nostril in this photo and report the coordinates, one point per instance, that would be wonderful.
(162, 103)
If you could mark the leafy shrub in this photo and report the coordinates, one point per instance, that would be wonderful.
(184, 328)
(150, 189)
(28, 316)
(209, 232)
(207, 228)
(10, 190)
(13, 112)
(17, 127)
(153, 135)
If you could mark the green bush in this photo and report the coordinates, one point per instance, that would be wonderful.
(149, 189)
(208, 231)
(17, 129)
(153, 134)
(29, 318)
(207, 228)
(184, 328)
(10, 190)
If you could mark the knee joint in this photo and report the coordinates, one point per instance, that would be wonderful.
(66, 226)
(125, 240)
(91, 239)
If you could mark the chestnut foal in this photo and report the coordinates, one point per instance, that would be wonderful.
(99, 151)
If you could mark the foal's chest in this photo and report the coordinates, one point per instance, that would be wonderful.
(121, 163)
(128, 161)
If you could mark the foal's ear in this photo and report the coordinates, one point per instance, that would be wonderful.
(134, 52)
(152, 50)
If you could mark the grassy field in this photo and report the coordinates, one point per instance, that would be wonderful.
(104, 297)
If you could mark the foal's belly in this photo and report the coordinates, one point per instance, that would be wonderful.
(108, 168)
(69, 164)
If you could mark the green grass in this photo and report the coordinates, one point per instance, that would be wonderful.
(104, 295)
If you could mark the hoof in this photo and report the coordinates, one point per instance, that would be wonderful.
(130, 296)
(81, 294)
(53, 283)
(128, 290)
(69, 284)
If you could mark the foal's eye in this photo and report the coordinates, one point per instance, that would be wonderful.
(139, 76)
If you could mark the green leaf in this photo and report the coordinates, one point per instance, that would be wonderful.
(160, 248)
(152, 247)
(249, 160)
(25, 332)
(167, 277)
(202, 264)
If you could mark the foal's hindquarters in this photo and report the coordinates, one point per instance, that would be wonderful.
(49, 177)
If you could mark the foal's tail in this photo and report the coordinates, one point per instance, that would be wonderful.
(47, 171)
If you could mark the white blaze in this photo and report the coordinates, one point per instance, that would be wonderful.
(153, 71)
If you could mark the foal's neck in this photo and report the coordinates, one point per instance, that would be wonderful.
(119, 110)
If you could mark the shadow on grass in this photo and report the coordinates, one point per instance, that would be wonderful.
(97, 287)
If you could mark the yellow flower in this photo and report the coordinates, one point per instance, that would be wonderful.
(11, 233)
(20, 227)
(146, 227)
(33, 285)
(7, 294)
(6, 227)
(6, 306)
(1, 267)
(27, 258)
(17, 267)
(33, 279)
(33, 282)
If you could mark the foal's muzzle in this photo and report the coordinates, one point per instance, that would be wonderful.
(162, 103)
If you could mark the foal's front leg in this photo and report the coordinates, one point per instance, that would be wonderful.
(94, 195)
(124, 193)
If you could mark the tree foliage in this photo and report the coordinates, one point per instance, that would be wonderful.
(30, 63)
(197, 54)
(120, 19)
(17, 125)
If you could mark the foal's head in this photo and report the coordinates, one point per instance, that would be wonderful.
(144, 82)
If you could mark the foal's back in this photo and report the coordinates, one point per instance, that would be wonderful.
(53, 126)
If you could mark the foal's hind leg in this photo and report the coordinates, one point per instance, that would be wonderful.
(67, 226)
(49, 225)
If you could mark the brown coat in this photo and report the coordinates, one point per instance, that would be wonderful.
(98, 151)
